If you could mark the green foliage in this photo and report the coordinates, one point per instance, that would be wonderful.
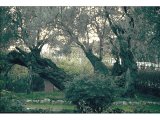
(73, 67)
(140, 109)
(149, 76)
(37, 83)
(2, 84)
(129, 85)
(9, 103)
(17, 80)
(3, 63)
(149, 82)
(9, 23)
(91, 93)
(19, 85)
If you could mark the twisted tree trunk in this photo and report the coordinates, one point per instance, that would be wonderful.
(97, 64)
(129, 66)
(42, 66)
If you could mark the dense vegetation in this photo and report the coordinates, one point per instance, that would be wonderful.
(99, 59)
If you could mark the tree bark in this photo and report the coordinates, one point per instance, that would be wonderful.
(129, 66)
(97, 64)
(42, 66)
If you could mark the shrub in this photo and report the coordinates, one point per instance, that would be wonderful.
(90, 93)
(140, 109)
(149, 82)
(19, 85)
(2, 84)
(9, 103)
(37, 83)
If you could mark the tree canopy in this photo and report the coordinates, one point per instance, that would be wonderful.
(127, 34)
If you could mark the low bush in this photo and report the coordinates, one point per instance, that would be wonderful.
(19, 85)
(149, 82)
(37, 83)
(9, 103)
(91, 94)
(2, 84)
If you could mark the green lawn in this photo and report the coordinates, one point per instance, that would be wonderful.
(140, 97)
(142, 108)
(59, 107)
(138, 108)
(51, 107)
(56, 95)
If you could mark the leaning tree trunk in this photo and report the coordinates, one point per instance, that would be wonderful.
(42, 66)
(97, 64)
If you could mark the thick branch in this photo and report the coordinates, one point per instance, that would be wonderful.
(42, 66)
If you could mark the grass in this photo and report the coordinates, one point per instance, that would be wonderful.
(58, 95)
(147, 97)
(153, 108)
(138, 108)
(51, 107)
(126, 108)
(140, 97)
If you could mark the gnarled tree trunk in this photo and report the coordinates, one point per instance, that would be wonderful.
(97, 64)
(42, 66)
(129, 66)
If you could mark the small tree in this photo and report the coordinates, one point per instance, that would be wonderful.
(91, 94)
